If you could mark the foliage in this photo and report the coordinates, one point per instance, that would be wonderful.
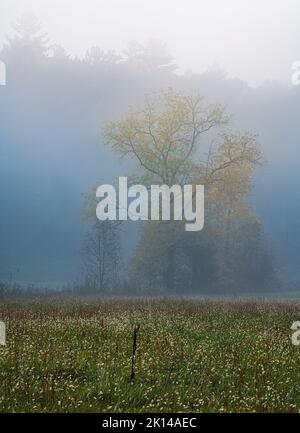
(176, 138)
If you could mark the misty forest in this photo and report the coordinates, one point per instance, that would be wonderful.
(149, 215)
(69, 124)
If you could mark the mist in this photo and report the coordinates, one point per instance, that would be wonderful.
(60, 93)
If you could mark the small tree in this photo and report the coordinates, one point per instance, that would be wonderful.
(101, 255)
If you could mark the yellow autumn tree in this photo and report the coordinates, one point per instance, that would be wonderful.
(177, 138)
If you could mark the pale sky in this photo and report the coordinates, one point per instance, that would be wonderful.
(255, 40)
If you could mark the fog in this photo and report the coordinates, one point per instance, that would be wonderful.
(252, 40)
(54, 107)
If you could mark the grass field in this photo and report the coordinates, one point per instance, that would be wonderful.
(191, 355)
